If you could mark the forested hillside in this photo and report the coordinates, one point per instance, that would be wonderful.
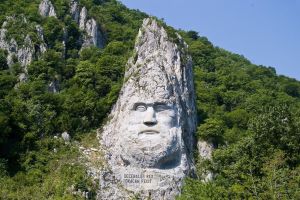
(249, 113)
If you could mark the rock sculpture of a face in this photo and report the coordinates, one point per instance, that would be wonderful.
(148, 140)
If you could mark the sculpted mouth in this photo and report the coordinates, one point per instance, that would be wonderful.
(149, 132)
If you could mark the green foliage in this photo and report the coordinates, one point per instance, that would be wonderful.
(51, 171)
(88, 81)
(3, 61)
(212, 129)
(7, 82)
(292, 89)
(252, 116)
(197, 190)
(53, 31)
(116, 48)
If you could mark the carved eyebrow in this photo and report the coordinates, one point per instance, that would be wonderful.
(139, 103)
(162, 106)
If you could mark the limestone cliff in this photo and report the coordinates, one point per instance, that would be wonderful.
(46, 9)
(93, 34)
(25, 52)
(149, 140)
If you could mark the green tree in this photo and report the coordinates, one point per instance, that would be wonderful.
(3, 61)
(212, 130)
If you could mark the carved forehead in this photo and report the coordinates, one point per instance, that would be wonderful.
(150, 76)
(148, 99)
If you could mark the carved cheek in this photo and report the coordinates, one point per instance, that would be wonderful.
(166, 118)
(134, 118)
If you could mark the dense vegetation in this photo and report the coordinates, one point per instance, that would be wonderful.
(34, 164)
(249, 113)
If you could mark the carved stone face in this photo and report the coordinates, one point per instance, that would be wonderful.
(152, 131)
(148, 140)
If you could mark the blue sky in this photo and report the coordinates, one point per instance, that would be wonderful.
(267, 32)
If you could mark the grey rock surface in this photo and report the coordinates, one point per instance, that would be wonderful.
(53, 86)
(26, 52)
(74, 10)
(40, 33)
(23, 77)
(93, 34)
(205, 150)
(65, 136)
(83, 18)
(46, 9)
(149, 139)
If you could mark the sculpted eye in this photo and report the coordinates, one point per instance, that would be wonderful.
(141, 108)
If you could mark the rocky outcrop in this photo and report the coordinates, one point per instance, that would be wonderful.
(205, 150)
(149, 139)
(74, 10)
(24, 53)
(40, 33)
(46, 9)
(83, 18)
(53, 86)
(65, 136)
(11, 47)
(93, 34)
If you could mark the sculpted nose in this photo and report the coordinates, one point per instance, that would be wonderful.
(150, 119)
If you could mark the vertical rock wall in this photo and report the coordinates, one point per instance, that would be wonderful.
(46, 9)
(94, 36)
(149, 139)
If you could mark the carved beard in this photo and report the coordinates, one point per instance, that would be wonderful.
(161, 150)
